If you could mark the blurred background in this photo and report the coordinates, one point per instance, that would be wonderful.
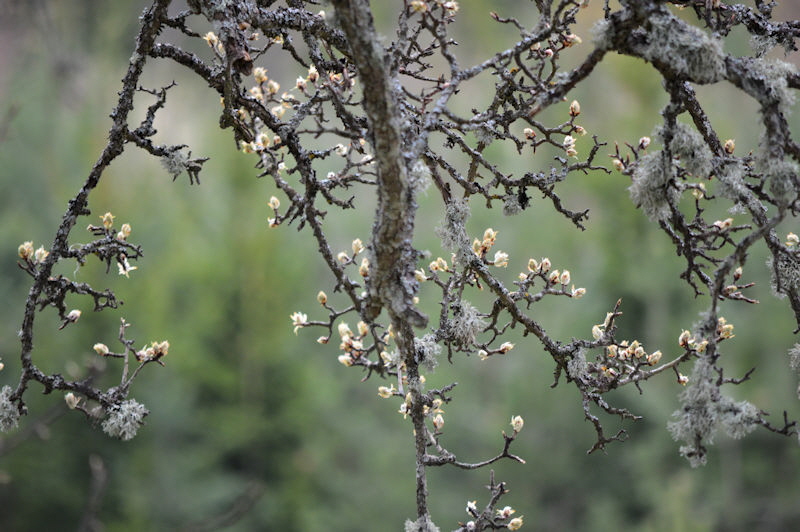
(254, 428)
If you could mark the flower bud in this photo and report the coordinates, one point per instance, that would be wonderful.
(517, 423)
(101, 349)
(71, 400)
(108, 220)
(40, 255)
(25, 250)
(653, 358)
(730, 146)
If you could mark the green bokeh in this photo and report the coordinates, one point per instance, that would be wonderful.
(242, 401)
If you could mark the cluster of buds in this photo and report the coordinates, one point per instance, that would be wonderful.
(439, 265)
(569, 146)
(448, 7)
(689, 342)
(30, 256)
(543, 269)
(724, 329)
(633, 351)
(274, 204)
(482, 247)
(504, 348)
(213, 41)
(357, 246)
(352, 344)
(154, 353)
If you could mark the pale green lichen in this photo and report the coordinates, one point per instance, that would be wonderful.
(704, 410)
(123, 420)
(687, 50)
(9, 413)
(651, 188)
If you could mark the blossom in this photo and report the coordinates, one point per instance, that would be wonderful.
(71, 400)
(25, 250)
(730, 146)
(386, 391)
(344, 330)
(101, 349)
(125, 267)
(506, 512)
(544, 266)
(108, 220)
(685, 339)
(574, 108)
(260, 74)
(41, 254)
(517, 423)
(653, 358)
(723, 224)
(322, 297)
(501, 259)
(299, 320)
(124, 232)
(505, 347)
(211, 38)
(515, 524)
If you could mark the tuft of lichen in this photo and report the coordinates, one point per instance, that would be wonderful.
(768, 82)
(704, 410)
(794, 358)
(419, 176)
(690, 52)
(651, 188)
(511, 205)
(730, 179)
(577, 365)
(175, 162)
(9, 413)
(423, 524)
(785, 268)
(466, 324)
(688, 145)
(428, 351)
(602, 34)
(453, 229)
(123, 420)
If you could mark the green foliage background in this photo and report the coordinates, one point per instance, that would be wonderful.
(243, 402)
